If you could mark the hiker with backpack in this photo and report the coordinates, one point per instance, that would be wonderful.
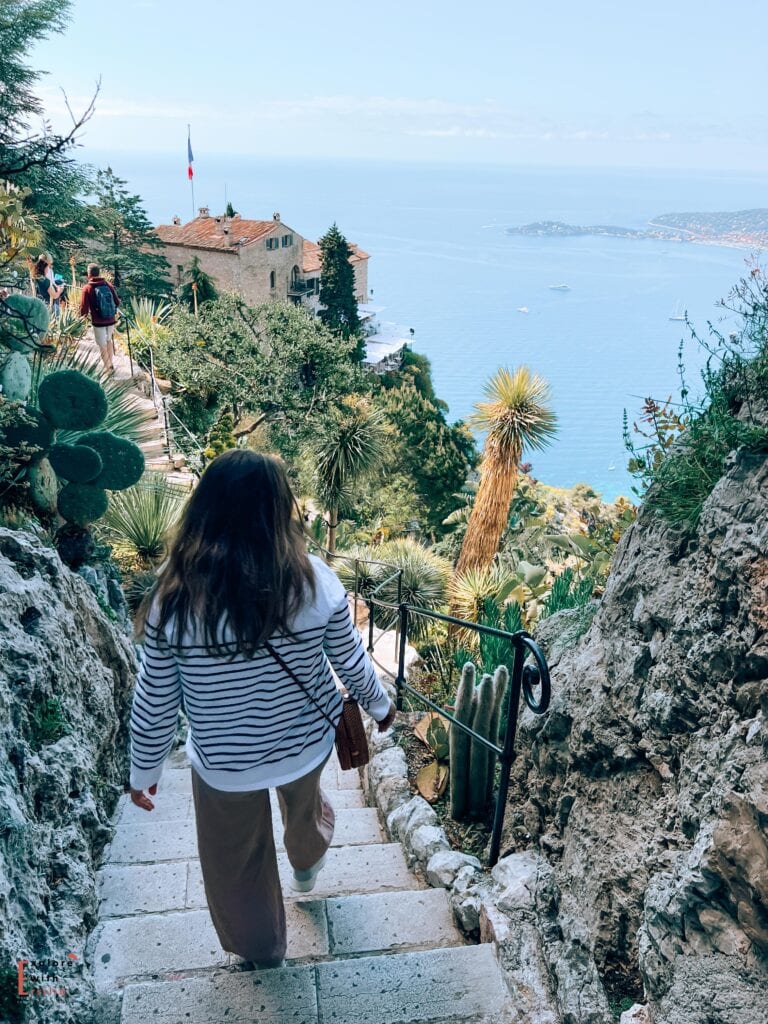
(100, 302)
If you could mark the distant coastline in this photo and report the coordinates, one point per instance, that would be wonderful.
(745, 229)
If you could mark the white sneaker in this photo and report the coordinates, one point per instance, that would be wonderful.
(304, 881)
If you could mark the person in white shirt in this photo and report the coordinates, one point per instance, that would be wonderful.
(239, 586)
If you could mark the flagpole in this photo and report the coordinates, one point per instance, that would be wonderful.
(192, 177)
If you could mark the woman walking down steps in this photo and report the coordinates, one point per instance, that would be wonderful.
(238, 580)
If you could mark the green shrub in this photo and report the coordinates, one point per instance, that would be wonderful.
(689, 442)
(82, 503)
(123, 461)
(72, 401)
(36, 432)
(47, 723)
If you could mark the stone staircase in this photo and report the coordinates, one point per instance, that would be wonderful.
(154, 448)
(370, 944)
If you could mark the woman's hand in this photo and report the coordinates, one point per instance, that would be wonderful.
(138, 798)
(385, 723)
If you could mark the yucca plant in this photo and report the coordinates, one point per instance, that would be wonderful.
(142, 516)
(126, 416)
(344, 450)
(515, 417)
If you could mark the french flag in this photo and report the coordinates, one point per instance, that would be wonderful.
(190, 158)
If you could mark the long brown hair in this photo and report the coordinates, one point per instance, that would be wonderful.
(238, 559)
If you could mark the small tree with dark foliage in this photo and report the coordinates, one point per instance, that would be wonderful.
(337, 289)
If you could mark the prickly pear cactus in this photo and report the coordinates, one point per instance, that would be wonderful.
(16, 378)
(23, 323)
(97, 462)
(43, 486)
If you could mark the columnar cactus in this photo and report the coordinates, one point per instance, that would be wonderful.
(459, 742)
(480, 755)
(473, 764)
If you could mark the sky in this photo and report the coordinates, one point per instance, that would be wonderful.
(672, 84)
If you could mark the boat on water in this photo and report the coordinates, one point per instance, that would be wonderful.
(559, 287)
(678, 313)
(523, 309)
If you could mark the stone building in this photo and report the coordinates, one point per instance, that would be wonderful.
(262, 260)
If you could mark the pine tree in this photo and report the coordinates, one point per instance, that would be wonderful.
(128, 239)
(337, 289)
(230, 211)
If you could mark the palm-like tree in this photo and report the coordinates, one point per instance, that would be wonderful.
(349, 446)
(516, 417)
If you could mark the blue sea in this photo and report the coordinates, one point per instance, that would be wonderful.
(442, 263)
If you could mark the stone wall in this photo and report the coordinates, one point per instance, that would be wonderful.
(646, 785)
(66, 676)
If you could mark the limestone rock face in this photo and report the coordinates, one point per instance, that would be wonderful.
(646, 785)
(66, 675)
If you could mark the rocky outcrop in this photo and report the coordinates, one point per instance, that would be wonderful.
(646, 785)
(66, 674)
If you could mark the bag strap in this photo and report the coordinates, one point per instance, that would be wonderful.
(287, 669)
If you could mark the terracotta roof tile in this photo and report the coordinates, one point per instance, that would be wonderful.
(312, 256)
(208, 232)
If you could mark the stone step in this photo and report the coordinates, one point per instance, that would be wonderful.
(179, 807)
(127, 889)
(144, 841)
(179, 779)
(147, 945)
(438, 986)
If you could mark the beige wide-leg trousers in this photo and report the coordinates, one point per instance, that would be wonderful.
(239, 863)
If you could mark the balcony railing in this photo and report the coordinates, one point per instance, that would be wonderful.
(298, 287)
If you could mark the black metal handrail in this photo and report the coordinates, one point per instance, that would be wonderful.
(524, 678)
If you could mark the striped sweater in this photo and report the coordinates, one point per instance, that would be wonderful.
(251, 726)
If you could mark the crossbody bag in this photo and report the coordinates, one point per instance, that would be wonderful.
(351, 741)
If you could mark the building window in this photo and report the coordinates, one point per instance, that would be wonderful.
(287, 240)
(272, 279)
(273, 243)
(179, 273)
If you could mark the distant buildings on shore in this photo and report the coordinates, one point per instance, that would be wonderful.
(262, 260)
(268, 261)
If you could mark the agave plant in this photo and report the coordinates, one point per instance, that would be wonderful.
(68, 327)
(126, 416)
(147, 314)
(470, 589)
(142, 516)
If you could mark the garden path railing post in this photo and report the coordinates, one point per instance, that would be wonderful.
(508, 752)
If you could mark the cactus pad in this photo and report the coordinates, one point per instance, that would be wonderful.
(123, 460)
(82, 503)
(23, 322)
(72, 401)
(43, 486)
(16, 377)
(76, 463)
